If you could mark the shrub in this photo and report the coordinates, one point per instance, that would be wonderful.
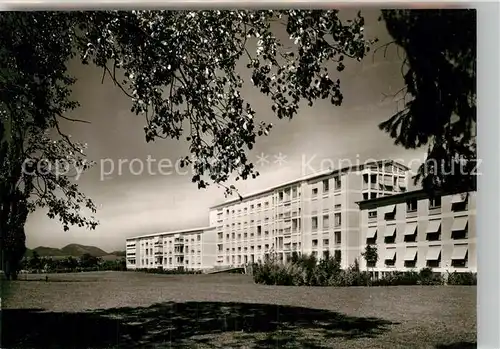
(307, 271)
(428, 277)
(456, 278)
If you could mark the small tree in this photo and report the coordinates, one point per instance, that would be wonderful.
(370, 255)
(35, 263)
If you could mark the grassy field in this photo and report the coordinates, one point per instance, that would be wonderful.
(135, 310)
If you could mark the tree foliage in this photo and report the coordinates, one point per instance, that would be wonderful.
(181, 73)
(370, 254)
(178, 68)
(34, 97)
(438, 106)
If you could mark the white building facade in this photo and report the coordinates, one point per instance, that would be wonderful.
(190, 249)
(315, 215)
(413, 231)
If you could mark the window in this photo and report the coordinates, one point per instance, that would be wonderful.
(259, 205)
(460, 263)
(326, 254)
(434, 263)
(459, 234)
(390, 239)
(411, 264)
(259, 229)
(314, 223)
(338, 219)
(326, 242)
(338, 237)
(315, 243)
(434, 235)
(371, 235)
(326, 187)
(220, 235)
(459, 202)
(294, 192)
(411, 232)
(314, 192)
(373, 195)
(390, 213)
(372, 214)
(338, 183)
(326, 221)
(338, 255)
(411, 205)
(365, 178)
(338, 206)
(252, 207)
(390, 260)
(435, 202)
(280, 196)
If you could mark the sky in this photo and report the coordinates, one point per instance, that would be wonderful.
(132, 203)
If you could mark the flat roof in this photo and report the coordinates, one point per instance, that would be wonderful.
(170, 232)
(305, 178)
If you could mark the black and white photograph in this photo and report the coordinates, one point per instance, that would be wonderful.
(237, 178)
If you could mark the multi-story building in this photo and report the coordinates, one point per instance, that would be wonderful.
(192, 249)
(315, 215)
(412, 230)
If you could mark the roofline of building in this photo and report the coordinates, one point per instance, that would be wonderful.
(170, 232)
(400, 197)
(305, 178)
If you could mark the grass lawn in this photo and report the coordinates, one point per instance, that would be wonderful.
(136, 310)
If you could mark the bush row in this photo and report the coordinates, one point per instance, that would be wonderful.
(307, 271)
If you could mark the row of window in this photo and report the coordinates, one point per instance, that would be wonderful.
(459, 231)
(278, 216)
(292, 245)
(251, 258)
(326, 221)
(337, 185)
(459, 258)
(459, 203)
(165, 261)
(284, 196)
(176, 240)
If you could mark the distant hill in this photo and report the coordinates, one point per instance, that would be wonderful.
(119, 253)
(79, 250)
(48, 251)
(74, 250)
